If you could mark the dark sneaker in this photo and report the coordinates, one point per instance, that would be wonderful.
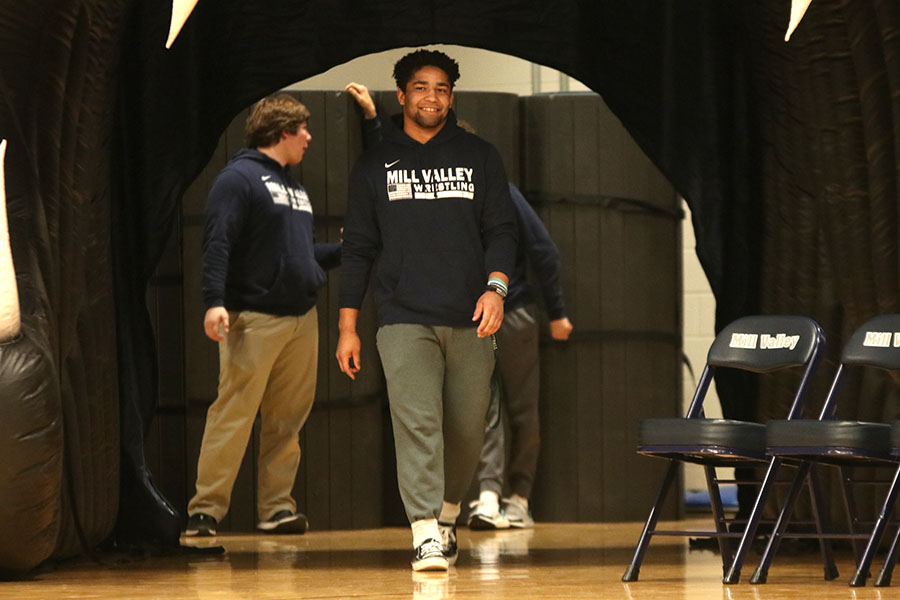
(430, 557)
(200, 525)
(284, 521)
(448, 541)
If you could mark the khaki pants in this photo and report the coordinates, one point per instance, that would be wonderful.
(438, 381)
(266, 364)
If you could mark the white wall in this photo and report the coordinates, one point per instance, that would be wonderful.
(699, 331)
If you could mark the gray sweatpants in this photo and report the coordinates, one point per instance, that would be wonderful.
(438, 381)
(520, 376)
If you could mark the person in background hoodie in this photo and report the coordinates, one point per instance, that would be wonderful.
(430, 204)
(517, 360)
(261, 273)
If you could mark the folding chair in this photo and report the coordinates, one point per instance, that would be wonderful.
(887, 570)
(760, 344)
(807, 442)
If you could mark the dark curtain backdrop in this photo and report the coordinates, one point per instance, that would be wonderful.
(787, 154)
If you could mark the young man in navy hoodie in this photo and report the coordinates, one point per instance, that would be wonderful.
(430, 205)
(261, 273)
(518, 360)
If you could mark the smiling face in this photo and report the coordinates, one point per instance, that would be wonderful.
(426, 103)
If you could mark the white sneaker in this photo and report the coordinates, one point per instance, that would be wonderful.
(517, 513)
(430, 557)
(486, 512)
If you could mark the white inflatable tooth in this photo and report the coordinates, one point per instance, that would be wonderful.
(181, 10)
(10, 318)
(798, 9)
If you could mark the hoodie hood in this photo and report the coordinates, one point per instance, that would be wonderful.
(256, 155)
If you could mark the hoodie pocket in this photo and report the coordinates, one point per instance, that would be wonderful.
(299, 276)
(442, 283)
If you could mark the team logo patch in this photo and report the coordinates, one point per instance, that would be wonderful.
(399, 191)
(430, 184)
(294, 197)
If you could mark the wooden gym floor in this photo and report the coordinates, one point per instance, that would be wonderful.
(552, 561)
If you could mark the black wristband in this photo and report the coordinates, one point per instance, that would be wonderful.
(493, 287)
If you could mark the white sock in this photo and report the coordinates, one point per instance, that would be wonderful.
(449, 513)
(424, 529)
(519, 500)
(491, 500)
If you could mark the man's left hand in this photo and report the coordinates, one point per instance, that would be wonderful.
(560, 329)
(489, 309)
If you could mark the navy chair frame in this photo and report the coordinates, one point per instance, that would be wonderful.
(760, 344)
(887, 570)
(840, 444)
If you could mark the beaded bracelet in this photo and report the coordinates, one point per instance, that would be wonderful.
(497, 285)
(498, 282)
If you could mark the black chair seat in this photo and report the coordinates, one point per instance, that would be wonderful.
(753, 344)
(690, 435)
(802, 436)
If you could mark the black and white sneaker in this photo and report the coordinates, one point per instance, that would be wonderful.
(284, 521)
(200, 525)
(430, 557)
(448, 541)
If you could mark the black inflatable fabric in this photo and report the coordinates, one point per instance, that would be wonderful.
(787, 154)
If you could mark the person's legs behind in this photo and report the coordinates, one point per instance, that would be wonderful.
(485, 510)
(519, 366)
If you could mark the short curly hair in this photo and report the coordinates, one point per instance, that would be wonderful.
(271, 116)
(406, 67)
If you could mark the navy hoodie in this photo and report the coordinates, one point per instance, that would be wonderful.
(259, 253)
(436, 217)
(535, 247)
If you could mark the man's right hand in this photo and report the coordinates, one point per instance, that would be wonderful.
(360, 93)
(215, 318)
(560, 329)
(347, 354)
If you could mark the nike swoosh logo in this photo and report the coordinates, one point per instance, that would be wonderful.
(389, 165)
(266, 177)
